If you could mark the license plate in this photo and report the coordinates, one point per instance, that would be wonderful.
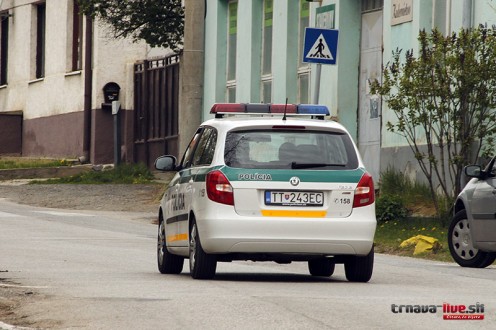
(294, 198)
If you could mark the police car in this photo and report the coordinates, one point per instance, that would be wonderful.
(265, 182)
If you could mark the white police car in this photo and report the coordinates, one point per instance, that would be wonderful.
(268, 183)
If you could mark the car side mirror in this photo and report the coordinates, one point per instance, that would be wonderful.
(474, 171)
(165, 163)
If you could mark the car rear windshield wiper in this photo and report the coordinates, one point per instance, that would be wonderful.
(295, 165)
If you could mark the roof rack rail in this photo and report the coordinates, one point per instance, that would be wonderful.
(314, 110)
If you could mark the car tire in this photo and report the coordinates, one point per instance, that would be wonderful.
(168, 263)
(461, 245)
(201, 264)
(359, 268)
(321, 267)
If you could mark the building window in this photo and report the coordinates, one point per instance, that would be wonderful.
(40, 40)
(76, 39)
(266, 91)
(267, 51)
(303, 68)
(370, 5)
(304, 88)
(4, 46)
(231, 49)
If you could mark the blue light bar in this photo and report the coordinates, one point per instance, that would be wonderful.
(312, 109)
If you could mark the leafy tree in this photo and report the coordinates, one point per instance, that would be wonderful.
(444, 101)
(158, 22)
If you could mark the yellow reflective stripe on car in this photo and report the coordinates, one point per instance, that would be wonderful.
(291, 213)
(178, 237)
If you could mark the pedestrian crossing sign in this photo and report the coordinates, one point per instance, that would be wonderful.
(321, 46)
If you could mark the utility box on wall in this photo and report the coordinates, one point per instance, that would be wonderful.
(110, 94)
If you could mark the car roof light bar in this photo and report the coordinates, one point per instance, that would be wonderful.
(313, 109)
(221, 109)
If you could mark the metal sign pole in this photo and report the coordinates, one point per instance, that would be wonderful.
(117, 132)
(316, 91)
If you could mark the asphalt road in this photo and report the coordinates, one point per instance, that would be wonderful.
(97, 270)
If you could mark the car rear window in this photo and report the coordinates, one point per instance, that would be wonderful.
(296, 149)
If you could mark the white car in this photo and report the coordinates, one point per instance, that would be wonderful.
(472, 232)
(268, 183)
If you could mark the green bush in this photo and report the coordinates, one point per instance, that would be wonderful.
(124, 173)
(390, 207)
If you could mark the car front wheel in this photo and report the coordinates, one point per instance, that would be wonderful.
(461, 244)
(201, 264)
(168, 263)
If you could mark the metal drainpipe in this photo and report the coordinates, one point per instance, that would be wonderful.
(88, 85)
(433, 25)
(448, 17)
(467, 14)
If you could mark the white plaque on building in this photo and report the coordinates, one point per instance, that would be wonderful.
(401, 11)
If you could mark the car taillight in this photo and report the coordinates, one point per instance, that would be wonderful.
(364, 192)
(219, 188)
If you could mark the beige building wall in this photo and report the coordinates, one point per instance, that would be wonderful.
(52, 107)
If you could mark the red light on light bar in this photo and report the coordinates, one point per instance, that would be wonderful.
(228, 107)
(279, 108)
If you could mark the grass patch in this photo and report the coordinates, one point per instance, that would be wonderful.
(8, 163)
(390, 234)
(122, 174)
(415, 195)
(421, 220)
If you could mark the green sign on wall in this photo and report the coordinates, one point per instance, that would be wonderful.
(324, 17)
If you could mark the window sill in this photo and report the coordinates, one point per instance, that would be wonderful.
(73, 73)
(35, 80)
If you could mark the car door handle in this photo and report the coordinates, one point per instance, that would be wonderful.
(494, 192)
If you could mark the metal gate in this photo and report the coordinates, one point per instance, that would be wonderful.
(156, 104)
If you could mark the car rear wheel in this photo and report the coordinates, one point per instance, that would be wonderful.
(461, 244)
(201, 264)
(321, 267)
(359, 268)
(168, 263)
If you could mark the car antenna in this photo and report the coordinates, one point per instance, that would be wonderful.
(285, 106)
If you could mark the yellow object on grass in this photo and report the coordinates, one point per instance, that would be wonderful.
(422, 244)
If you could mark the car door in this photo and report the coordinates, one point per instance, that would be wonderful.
(180, 197)
(193, 186)
(484, 207)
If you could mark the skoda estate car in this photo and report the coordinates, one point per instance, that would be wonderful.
(472, 232)
(264, 182)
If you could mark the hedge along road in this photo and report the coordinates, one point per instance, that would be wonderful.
(97, 269)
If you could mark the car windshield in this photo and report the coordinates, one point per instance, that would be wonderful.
(296, 149)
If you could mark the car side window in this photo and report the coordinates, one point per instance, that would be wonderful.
(188, 154)
(204, 153)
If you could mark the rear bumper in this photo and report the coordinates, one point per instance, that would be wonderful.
(231, 233)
